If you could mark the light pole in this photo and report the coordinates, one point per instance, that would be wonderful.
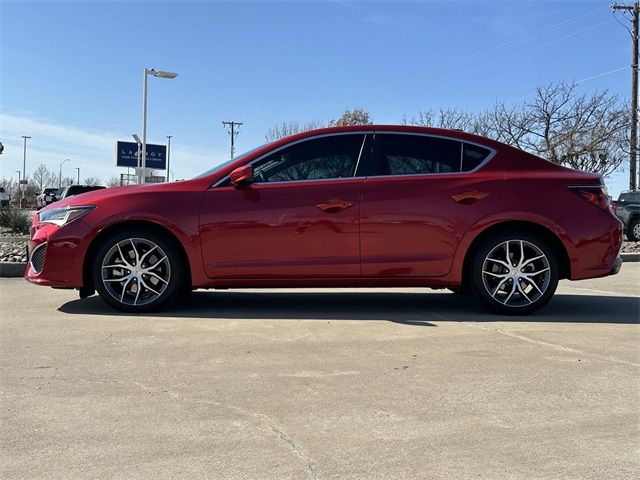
(18, 172)
(159, 74)
(78, 169)
(24, 169)
(60, 172)
(168, 154)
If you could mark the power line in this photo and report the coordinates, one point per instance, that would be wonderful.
(504, 45)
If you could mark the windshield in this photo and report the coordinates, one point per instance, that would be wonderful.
(217, 168)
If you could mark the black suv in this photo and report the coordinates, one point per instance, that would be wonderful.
(72, 190)
(627, 209)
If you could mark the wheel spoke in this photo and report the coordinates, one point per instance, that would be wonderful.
(522, 292)
(147, 253)
(533, 260)
(537, 273)
(502, 282)
(508, 258)
(124, 289)
(121, 279)
(146, 285)
(499, 262)
(156, 276)
(513, 290)
(502, 275)
(158, 263)
(122, 257)
(520, 263)
(135, 251)
(135, 300)
(533, 284)
(115, 266)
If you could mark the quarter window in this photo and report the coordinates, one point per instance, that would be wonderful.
(472, 156)
(333, 156)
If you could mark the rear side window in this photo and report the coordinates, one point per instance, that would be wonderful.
(398, 154)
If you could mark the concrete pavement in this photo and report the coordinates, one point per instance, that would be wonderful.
(319, 384)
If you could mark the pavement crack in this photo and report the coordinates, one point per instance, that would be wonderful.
(265, 423)
(555, 346)
(297, 450)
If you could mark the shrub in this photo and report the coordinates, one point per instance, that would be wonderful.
(16, 220)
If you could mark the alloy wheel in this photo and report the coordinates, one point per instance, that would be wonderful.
(516, 273)
(135, 271)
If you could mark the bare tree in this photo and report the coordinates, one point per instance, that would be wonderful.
(113, 181)
(92, 181)
(585, 132)
(580, 131)
(285, 129)
(451, 118)
(42, 177)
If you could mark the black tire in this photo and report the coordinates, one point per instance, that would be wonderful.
(633, 230)
(500, 287)
(141, 288)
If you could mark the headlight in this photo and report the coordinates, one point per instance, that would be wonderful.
(62, 216)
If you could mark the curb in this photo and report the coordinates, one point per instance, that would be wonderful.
(12, 269)
(630, 257)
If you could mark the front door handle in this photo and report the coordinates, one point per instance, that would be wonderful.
(467, 197)
(334, 206)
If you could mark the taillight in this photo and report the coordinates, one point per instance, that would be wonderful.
(595, 195)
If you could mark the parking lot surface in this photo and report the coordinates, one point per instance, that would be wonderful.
(319, 384)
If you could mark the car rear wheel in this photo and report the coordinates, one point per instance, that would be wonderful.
(138, 270)
(633, 232)
(515, 273)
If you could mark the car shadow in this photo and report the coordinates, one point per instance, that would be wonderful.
(411, 308)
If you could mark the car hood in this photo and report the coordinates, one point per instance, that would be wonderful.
(96, 196)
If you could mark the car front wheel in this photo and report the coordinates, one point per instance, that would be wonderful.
(137, 270)
(515, 273)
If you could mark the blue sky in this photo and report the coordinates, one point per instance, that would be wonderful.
(72, 71)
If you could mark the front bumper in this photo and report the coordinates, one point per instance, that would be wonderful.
(63, 250)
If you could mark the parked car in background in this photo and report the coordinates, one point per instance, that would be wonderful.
(46, 197)
(5, 198)
(72, 190)
(627, 209)
(362, 206)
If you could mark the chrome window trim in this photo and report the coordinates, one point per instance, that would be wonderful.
(313, 137)
(373, 133)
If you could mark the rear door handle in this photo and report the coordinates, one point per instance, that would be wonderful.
(334, 206)
(467, 197)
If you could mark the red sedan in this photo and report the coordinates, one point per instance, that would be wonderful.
(366, 206)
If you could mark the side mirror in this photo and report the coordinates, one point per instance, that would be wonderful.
(242, 176)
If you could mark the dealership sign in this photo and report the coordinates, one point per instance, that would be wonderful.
(127, 155)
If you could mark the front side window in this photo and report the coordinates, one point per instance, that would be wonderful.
(328, 157)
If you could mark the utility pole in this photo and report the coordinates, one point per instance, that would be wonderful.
(233, 133)
(633, 158)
